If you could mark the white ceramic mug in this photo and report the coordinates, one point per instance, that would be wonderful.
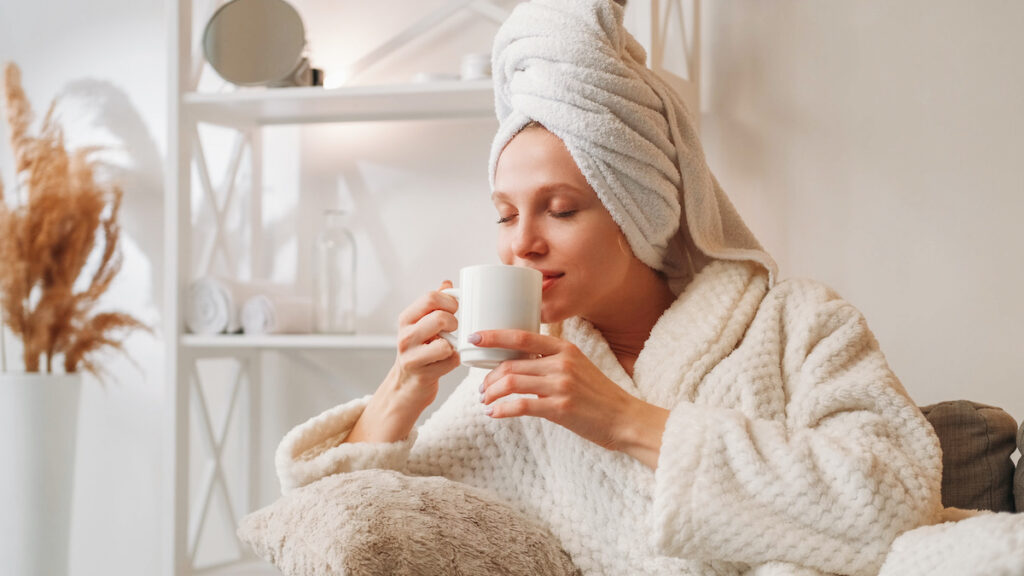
(494, 297)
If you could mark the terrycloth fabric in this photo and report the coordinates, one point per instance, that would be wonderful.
(273, 314)
(789, 443)
(985, 545)
(314, 449)
(213, 304)
(570, 65)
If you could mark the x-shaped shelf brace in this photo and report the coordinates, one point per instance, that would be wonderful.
(214, 473)
(220, 208)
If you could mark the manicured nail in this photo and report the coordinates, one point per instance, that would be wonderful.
(488, 410)
(481, 398)
(473, 338)
(481, 388)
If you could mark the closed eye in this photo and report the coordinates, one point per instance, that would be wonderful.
(565, 214)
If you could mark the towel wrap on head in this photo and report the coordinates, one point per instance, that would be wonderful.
(571, 66)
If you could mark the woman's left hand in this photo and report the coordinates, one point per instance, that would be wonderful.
(571, 392)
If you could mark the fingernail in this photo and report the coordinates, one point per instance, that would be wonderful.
(473, 338)
(488, 410)
(481, 390)
(481, 398)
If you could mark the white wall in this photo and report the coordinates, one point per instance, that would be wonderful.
(872, 145)
(107, 57)
(876, 146)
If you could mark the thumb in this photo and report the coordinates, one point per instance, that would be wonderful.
(446, 284)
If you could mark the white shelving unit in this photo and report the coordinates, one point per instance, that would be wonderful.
(429, 100)
(246, 112)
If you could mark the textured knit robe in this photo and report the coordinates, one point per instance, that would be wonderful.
(790, 447)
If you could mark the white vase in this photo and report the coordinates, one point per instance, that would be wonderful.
(38, 432)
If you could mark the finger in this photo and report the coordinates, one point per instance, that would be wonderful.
(450, 363)
(426, 304)
(437, 369)
(421, 356)
(517, 384)
(426, 329)
(522, 406)
(446, 285)
(522, 340)
(543, 366)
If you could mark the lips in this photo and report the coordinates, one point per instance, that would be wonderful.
(550, 278)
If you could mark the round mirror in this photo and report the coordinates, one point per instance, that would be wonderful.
(255, 42)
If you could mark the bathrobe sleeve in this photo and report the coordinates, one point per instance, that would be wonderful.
(829, 481)
(316, 448)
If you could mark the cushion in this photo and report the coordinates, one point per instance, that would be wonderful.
(977, 441)
(1018, 483)
(382, 522)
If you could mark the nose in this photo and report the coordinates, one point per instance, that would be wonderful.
(528, 239)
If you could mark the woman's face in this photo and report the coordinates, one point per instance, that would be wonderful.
(550, 219)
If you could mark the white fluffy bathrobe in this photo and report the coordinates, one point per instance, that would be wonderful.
(791, 448)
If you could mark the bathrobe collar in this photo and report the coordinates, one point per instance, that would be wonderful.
(703, 326)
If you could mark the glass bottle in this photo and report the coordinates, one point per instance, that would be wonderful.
(334, 276)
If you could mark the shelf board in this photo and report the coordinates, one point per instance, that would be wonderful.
(290, 341)
(411, 101)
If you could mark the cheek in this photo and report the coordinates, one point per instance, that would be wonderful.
(610, 253)
(504, 249)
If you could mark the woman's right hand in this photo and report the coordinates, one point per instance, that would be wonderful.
(412, 383)
(423, 355)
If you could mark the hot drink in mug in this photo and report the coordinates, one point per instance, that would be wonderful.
(494, 297)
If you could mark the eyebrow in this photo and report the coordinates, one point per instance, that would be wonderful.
(545, 189)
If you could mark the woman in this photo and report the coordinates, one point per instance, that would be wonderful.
(683, 413)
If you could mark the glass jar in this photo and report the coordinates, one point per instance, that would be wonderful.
(334, 276)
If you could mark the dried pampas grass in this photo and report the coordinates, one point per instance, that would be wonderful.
(46, 240)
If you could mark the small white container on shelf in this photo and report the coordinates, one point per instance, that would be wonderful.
(475, 66)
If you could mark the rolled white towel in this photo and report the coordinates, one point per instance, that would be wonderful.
(271, 314)
(213, 303)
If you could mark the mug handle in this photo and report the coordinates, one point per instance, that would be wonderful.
(452, 337)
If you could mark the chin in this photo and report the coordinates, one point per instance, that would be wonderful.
(551, 314)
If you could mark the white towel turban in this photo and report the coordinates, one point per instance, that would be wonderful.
(571, 66)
